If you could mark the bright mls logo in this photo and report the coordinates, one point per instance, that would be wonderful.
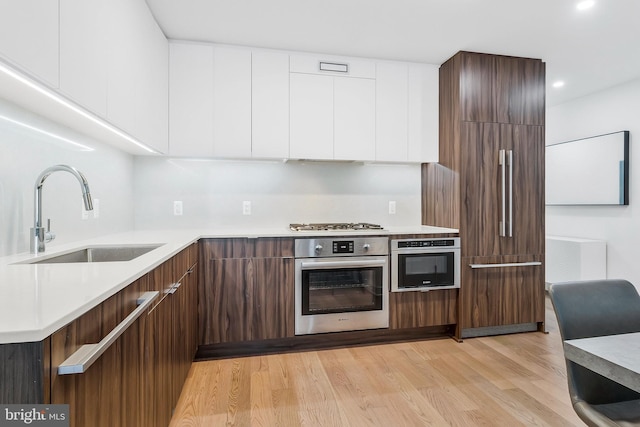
(35, 415)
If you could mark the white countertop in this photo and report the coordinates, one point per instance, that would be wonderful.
(38, 299)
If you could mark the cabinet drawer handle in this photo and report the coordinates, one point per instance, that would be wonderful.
(84, 357)
(506, 265)
(332, 66)
(509, 160)
(340, 264)
(174, 287)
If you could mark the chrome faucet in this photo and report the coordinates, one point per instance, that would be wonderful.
(38, 234)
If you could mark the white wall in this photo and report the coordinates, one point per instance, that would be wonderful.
(212, 193)
(25, 152)
(612, 110)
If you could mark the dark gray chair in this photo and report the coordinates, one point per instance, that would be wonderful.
(590, 309)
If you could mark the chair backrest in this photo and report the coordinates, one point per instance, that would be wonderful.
(590, 309)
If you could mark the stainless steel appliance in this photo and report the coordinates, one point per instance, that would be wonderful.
(341, 284)
(425, 264)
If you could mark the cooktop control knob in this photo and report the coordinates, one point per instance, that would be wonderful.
(318, 249)
(366, 247)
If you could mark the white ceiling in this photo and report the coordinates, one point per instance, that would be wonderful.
(590, 50)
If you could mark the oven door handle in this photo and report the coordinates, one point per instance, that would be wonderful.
(341, 264)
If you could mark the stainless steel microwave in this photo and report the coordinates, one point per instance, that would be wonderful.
(425, 264)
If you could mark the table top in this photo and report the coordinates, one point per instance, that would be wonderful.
(616, 357)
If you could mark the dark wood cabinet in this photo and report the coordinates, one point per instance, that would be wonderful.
(170, 341)
(109, 392)
(499, 89)
(485, 206)
(490, 185)
(246, 291)
(138, 379)
(422, 309)
(502, 295)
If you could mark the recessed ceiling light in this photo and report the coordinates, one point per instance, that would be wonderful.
(586, 4)
(558, 84)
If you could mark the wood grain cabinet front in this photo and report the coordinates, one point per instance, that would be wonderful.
(246, 291)
(138, 379)
(500, 89)
(421, 309)
(489, 184)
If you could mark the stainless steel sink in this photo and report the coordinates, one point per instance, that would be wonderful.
(98, 254)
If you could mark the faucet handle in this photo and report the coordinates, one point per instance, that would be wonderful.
(49, 235)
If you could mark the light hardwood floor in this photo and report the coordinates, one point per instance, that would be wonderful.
(507, 380)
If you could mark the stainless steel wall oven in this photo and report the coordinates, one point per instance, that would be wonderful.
(425, 264)
(341, 284)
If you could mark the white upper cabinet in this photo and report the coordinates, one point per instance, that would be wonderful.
(29, 37)
(332, 108)
(154, 87)
(392, 94)
(423, 116)
(231, 102)
(190, 100)
(210, 101)
(311, 116)
(406, 112)
(137, 90)
(269, 104)
(354, 119)
(83, 53)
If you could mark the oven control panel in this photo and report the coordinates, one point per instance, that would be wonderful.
(426, 243)
(343, 246)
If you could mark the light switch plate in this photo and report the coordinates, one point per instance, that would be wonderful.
(84, 213)
(392, 207)
(96, 208)
(246, 207)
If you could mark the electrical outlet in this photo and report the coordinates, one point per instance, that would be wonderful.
(392, 207)
(177, 207)
(246, 207)
(96, 208)
(84, 213)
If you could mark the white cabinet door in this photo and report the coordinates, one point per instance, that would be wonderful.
(83, 53)
(29, 37)
(154, 86)
(137, 83)
(231, 102)
(391, 111)
(191, 100)
(123, 69)
(423, 113)
(354, 118)
(311, 116)
(269, 104)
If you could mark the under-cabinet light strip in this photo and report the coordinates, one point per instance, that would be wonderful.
(44, 132)
(60, 100)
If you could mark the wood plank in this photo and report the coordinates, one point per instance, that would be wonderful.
(513, 380)
(420, 309)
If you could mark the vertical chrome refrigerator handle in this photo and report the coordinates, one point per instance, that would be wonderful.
(503, 218)
(510, 163)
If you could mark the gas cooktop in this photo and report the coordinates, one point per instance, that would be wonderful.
(336, 226)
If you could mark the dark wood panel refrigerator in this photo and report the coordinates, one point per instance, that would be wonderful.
(489, 183)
